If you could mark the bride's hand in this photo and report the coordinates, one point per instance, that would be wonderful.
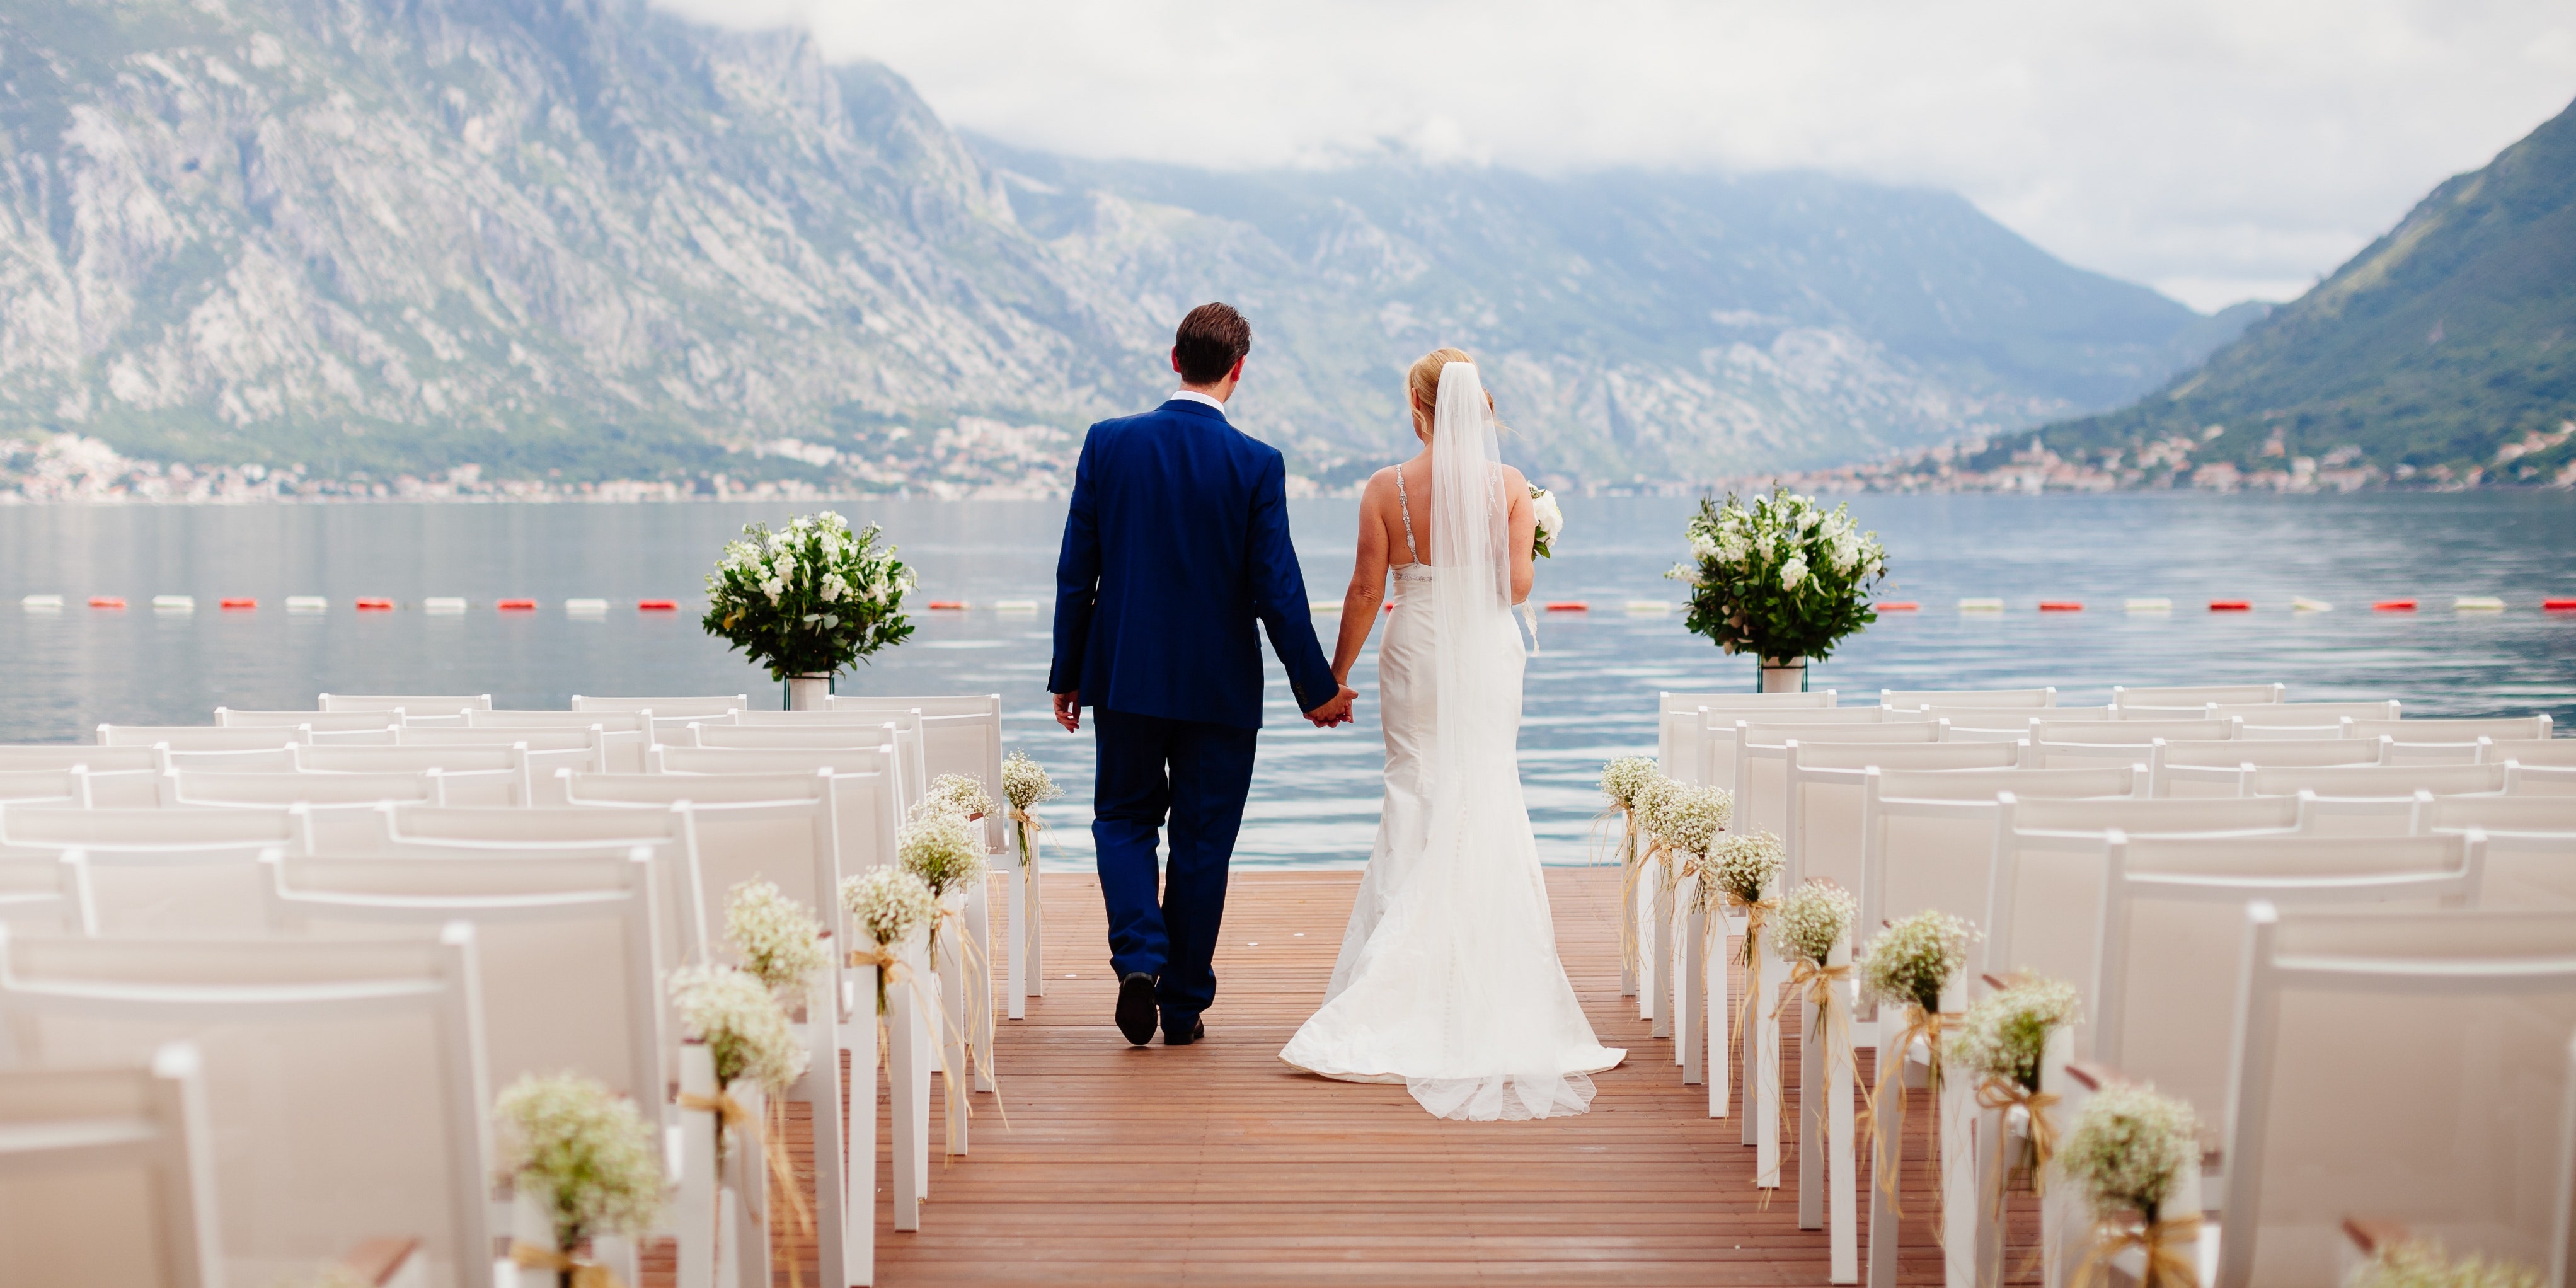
(1336, 711)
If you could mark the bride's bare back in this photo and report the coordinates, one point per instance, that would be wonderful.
(1383, 507)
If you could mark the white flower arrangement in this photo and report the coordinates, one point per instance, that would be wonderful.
(2421, 1263)
(1741, 865)
(1622, 779)
(959, 794)
(1911, 960)
(943, 849)
(591, 1160)
(2005, 1033)
(780, 942)
(741, 1023)
(2126, 1149)
(1551, 521)
(1025, 782)
(1779, 577)
(889, 903)
(1685, 817)
(1813, 918)
(808, 600)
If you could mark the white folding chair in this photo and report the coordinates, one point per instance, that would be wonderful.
(119, 777)
(159, 871)
(46, 787)
(2446, 741)
(2048, 868)
(2197, 695)
(317, 721)
(467, 775)
(667, 708)
(1679, 719)
(344, 1080)
(2016, 699)
(340, 807)
(2460, 1018)
(623, 735)
(2017, 720)
(413, 705)
(2373, 800)
(2553, 752)
(217, 738)
(969, 704)
(546, 750)
(45, 891)
(2304, 715)
(2205, 769)
(107, 1174)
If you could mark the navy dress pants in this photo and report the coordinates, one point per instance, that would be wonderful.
(1196, 775)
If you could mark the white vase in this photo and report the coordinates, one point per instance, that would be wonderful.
(1781, 675)
(809, 692)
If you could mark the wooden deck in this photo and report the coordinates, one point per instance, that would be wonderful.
(1216, 1164)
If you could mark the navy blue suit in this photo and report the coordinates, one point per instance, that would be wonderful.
(1176, 544)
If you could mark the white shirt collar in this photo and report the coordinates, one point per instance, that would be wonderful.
(1195, 396)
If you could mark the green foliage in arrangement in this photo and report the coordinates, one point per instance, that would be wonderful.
(1781, 577)
(809, 600)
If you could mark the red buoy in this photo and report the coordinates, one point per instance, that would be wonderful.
(517, 605)
(2558, 605)
(239, 603)
(947, 605)
(2394, 606)
(1569, 606)
(375, 605)
(657, 606)
(106, 601)
(2061, 606)
(2231, 605)
(1898, 606)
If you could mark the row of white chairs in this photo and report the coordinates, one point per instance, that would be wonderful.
(323, 840)
(1986, 831)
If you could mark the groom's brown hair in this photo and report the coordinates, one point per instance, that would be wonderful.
(1211, 339)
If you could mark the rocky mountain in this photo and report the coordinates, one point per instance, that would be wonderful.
(582, 239)
(2444, 351)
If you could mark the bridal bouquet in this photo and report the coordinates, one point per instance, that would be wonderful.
(1781, 577)
(586, 1156)
(1551, 521)
(809, 600)
(2126, 1153)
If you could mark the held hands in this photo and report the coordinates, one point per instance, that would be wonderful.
(1336, 711)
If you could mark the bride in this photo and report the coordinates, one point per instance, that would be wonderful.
(1448, 979)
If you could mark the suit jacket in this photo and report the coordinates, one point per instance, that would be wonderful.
(1177, 542)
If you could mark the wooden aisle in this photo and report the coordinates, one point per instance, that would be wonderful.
(1216, 1164)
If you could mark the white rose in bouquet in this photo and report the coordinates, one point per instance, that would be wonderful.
(1551, 521)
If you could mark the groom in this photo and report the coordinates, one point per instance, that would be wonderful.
(1176, 543)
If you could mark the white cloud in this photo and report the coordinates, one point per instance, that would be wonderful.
(2214, 148)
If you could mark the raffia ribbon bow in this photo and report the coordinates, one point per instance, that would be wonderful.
(1813, 981)
(773, 1151)
(1888, 1146)
(2003, 1094)
(1756, 913)
(1631, 934)
(2167, 1266)
(585, 1274)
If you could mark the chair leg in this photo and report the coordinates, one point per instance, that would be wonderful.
(1844, 1261)
(908, 1079)
(1650, 909)
(820, 1089)
(1690, 1023)
(1811, 1153)
(1628, 935)
(1764, 1113)
(951, 1037)
(1958, 1149)
(858, 1211)
(1017, 990)
(1883, 1188)
(695, 1208)
(979, 1036)
(1033, 933)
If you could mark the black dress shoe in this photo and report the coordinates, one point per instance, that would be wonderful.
(1198, 1029)
(1136, 1007)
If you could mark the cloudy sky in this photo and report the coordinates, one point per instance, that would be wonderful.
(2216, 149)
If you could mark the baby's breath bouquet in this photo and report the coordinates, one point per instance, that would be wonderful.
(959, 794)
(1740, 866)
(809, 600)
(2001, 1043)
(2126, 1154)
(1910, 961)
(741, 1023)
(2419, 1263)
(584, 1153)
(780, 942)
(888, 904)
(1781, 578)
(1812, 922)
(1813, 918)
(1025, 784)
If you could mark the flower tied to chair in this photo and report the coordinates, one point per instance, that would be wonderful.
(2126, 1152)
(772, 1144)
(1814, 920)
(585, 1274)
(2003, 1042)
(2160, 1242)
(1814, 983)
(1909, 964)
(1888, 1147)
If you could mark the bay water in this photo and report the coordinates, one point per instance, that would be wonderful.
(1591, 686)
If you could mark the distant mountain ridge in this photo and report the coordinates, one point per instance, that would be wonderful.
(581, 238)
(2445, 350)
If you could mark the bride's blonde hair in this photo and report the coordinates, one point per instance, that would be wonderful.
(1422, 382)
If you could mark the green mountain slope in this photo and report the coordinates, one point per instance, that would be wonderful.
(2445, 351)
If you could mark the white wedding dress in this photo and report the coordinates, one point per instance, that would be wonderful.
(1448, 979)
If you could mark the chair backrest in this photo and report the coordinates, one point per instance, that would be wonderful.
(44, 827)
(345, 1079)
(2513, 815)
(46, 787)
(119, 777)
(547, 750)
(319, 721)
(666, 708)
(970, 704)
(1679, 720)
(2407, 733)
(2160, 1001)
(1927, 838)
(1822, 786)
(969, 743)
(340, 808)
(2048, 868)
(758, 760)
(622, 735)
(903, 730)
(2015, 699)
(2462, 1018)
(467, 774)
(2197, 695)
(2318, 715)
(1759, 754)
(866, 793)
(196, 737)
(2204, 769)
(765, 719)
(2375, 782)
(107, 1174)
(2017, 719)
(570, 947)
(258, 760)
(781, 828)
(43, 891)
(2541, 780)
(409, 704)
(159, 871)
(2134, 733)
(2557, 752)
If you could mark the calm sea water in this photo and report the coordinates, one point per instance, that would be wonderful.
(1591, 688)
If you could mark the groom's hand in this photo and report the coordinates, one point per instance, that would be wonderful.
(1337, 711)
(1068, 711)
